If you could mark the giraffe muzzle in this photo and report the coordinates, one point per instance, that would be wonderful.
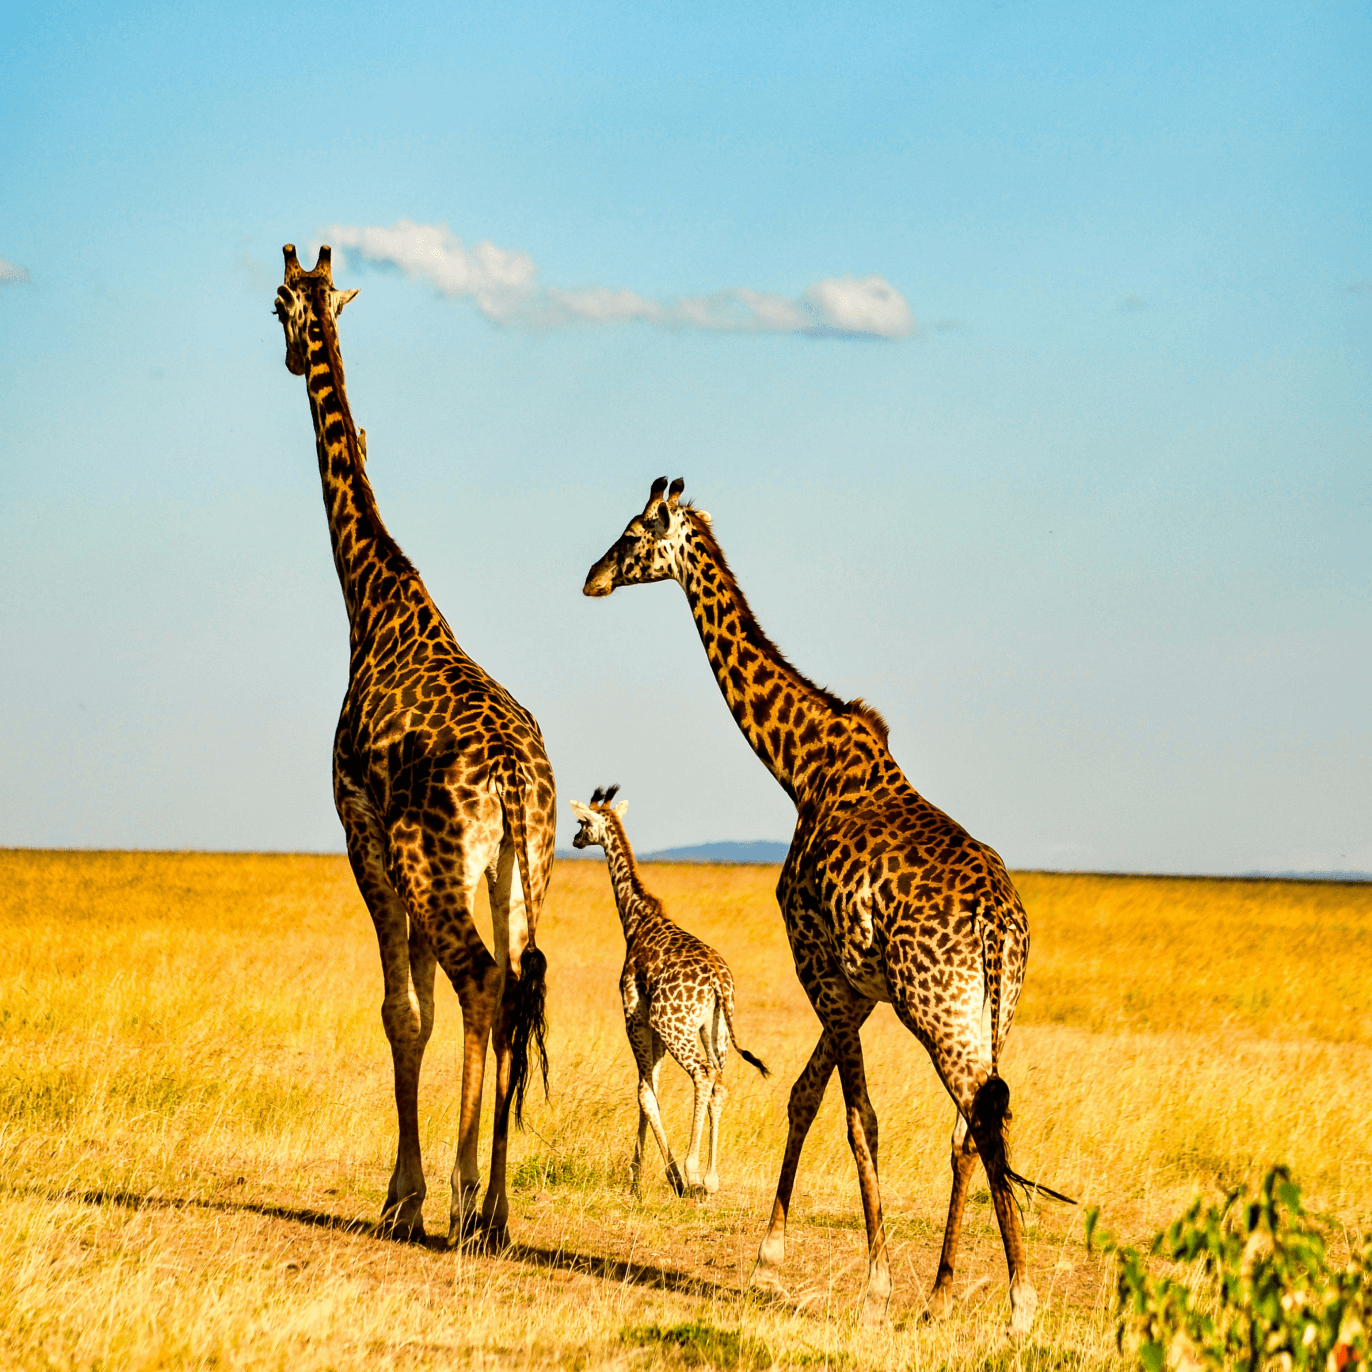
(600, 580)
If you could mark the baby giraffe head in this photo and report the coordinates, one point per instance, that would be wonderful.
(595, 824)
(650, 548)
(299, 300)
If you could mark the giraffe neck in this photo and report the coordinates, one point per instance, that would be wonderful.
(632, 898)
(370, 565)
(796, 728)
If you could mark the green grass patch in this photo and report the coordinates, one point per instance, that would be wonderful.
(701, 1345)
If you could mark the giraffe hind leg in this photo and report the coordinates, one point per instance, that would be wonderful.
(649, 1051)
(509, 924)
(719, 1048)
(683, 1039)
(439, 889)
(984, 1102)
(963, 1160)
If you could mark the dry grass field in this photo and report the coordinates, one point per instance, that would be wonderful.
(197, 1129)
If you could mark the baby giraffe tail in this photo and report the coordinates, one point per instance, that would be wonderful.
(725, 992)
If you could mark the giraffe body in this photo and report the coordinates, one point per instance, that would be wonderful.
(883, 896)
(678, 996)
(440, 780)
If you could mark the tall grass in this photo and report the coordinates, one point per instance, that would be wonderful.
(197, 1127)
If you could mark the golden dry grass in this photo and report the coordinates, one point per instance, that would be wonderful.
(196, 1124)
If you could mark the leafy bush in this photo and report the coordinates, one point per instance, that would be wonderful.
(1261, 1293)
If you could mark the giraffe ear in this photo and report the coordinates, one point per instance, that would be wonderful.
(658, 518)
(622, 808)
(580, 811)
(340, 299)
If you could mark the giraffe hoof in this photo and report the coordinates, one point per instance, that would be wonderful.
(1023, 1303)
(674, 1176)
(495, 1238)
(940, 1303)
(464, 1229)
(401, 1230)
(767, 1281)
(873, 1312)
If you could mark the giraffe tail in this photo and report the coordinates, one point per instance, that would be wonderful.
(989, 1117)
(530, 1028)
(725, 993)
(993, 970)
(991, 1105)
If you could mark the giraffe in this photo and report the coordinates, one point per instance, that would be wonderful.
(884, 898)
(440, 778)
(678, 996)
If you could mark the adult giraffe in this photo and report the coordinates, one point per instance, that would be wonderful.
(440, 778)
(884, 897)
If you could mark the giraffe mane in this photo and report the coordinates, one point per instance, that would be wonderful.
(855, 708)
(640, 890)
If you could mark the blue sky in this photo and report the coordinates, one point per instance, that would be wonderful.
(1093, 532)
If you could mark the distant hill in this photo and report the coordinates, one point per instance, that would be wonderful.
(1311, 876)
(766, 851)
(759, 851)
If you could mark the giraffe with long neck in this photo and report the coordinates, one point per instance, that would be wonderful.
(440, 779)
(884, 898)
(678, 996)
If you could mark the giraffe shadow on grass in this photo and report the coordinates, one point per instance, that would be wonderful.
(602, 1266)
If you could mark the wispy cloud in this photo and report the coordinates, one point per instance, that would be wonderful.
(11, 274)
(503, 284)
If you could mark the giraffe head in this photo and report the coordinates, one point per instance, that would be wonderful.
(650, 548)
(300, 297)
(594, 822)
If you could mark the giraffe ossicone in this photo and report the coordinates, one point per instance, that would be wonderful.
(440, 779)
(884, 897)
(678, 997)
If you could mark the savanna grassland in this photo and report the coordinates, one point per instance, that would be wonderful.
(197, 1127)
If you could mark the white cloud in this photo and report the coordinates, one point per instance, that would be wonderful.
(503, 284)
(11, 274)
(868, 306)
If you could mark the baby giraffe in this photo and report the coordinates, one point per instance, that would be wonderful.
(678, 997)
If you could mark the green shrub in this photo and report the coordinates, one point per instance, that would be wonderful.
(1259, 1291)
(701, 1345)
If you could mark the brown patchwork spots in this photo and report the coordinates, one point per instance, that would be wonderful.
(678, 996)
(884, 897)
(441, 780)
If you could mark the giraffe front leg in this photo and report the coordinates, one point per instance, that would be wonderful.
(806, 1096)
